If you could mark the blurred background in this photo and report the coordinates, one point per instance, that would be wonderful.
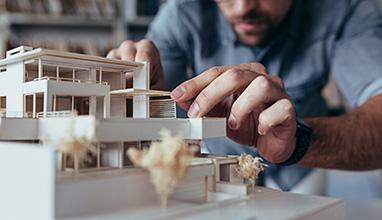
(85, 26)
(95, 26)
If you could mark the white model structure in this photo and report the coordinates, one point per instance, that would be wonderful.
(40, 87)
(49, 96)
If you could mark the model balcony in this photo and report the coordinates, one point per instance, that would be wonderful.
(39, 69)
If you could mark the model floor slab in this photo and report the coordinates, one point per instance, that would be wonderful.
(262, 204)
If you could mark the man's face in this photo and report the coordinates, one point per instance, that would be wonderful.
(254, 20)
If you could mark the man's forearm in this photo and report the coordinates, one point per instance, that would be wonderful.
(352, 141)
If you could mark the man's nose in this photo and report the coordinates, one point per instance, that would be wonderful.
(243, 6)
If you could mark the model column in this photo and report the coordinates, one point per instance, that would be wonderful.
(141, 103)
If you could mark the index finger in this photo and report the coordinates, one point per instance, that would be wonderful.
(231, 82)
(191, 88)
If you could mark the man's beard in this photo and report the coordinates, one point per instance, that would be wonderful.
(262, 32)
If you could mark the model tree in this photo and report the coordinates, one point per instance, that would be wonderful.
(167, 161)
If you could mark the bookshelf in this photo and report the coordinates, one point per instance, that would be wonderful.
(85, 26)
(57, 20)
(137, 15)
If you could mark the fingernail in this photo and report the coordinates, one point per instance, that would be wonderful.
(178, 92)
(232, 122)
(260, 130)
(194, 110)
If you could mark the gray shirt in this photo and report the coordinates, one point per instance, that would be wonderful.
(343, 37)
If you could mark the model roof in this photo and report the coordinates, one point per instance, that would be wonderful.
(27, 53)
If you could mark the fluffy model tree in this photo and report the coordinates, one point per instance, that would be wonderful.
(167, 161)
(249, 167)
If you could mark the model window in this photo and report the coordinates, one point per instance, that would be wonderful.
(3, 102)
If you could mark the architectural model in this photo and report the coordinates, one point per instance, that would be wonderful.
(54, 103)
(86, 96)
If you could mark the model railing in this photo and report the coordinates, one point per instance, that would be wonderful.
(58, 79)
(57, 114)
(68, 80)
(103, 83)
(5, 114)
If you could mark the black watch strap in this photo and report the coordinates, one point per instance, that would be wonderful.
(303, 137)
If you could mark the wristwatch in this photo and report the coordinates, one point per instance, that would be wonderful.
(303, 137)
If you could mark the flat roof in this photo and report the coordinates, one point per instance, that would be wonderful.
(40, 53)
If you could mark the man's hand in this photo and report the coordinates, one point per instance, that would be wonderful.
(258, 110)
(141, 51)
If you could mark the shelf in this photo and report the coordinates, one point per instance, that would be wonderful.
(140, 21)
(17, 19)
(41, 30)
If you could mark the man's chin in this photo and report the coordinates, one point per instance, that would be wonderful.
(252, 38)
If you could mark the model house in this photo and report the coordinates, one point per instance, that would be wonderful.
(52, 88)
(49, 97)
(40, 83)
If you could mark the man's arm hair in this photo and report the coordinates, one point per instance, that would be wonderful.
(351, 142)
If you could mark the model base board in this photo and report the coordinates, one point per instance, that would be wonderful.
(262, 204)
(31, 182)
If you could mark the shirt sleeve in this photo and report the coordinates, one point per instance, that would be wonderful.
(357, 61)
(169, 35)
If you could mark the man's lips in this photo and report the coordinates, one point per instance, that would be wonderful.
(251, 26)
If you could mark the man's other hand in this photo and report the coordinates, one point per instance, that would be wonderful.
(259, 112)
(141, 51)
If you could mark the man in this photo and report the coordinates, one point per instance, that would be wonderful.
(298, 43)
